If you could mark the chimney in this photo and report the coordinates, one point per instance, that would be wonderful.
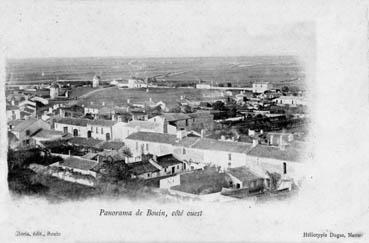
(150, 99)
(69, 153)
(222, 138)
(128, 101)
(113, 118)
(103, 103)
(281, 140)
(271, 139)
(255, 142)
(179, 135)
(202, 133)
(261, 131)
(155, 158)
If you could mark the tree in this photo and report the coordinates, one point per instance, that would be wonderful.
(115, 171)
(285, 89)
(186, 109)
(219, 105)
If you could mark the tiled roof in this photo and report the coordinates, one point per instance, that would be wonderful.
(216, 145)
(89, 142)
(187, 141)
(105, 123)
(73, 121)
(200, 114)
(175, 116)
(167, 160)
(243, 173)
(139, 168)
(153, 137)
(43, 133)
(290, 153)
(143, 124)
(11, 107)
(20, 126)
(111, 145)
(79, 163)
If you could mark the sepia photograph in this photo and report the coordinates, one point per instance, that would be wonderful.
(143, 112)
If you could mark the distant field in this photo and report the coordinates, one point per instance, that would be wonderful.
(238, 70)
(115, 96)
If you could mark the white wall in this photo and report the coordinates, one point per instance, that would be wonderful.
(170, 181)
(98, 134)
(82, 131)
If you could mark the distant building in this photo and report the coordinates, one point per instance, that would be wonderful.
(12, 113)
(96, 81)
(75, 169)
(100, 129)
(186, 121)
(284, 160)
(54, 91)
(47, 135)
(25, 129)
(203, 86)
(122, 130)
(157, 166)
(244, 178)
(136, 83)
(261, 87)
(290, 100)
(188, 149)
(75, 126)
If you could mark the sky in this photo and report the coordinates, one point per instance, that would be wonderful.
(147, 29)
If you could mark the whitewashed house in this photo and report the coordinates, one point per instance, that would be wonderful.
(261, 87)
(290, 100)
(100, 129)
(75, 126)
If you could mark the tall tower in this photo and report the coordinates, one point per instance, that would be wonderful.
(96, 81)
(54, 91)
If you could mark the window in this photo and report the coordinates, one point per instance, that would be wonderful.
(284, 168)
(97, 130)
(136, 146)
(28, 132)
(147, 147)
(165, 170)
(65, 129)
(229, 156)
(186, 122)
(148, 175)
(102, 131)
(184, 151)
(177, 167)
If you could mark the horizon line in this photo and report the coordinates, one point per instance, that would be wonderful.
(149, 57)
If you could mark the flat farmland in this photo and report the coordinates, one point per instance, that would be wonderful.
(114, 96)
(280, 70)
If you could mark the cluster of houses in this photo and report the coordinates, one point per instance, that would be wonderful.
(161, 145)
